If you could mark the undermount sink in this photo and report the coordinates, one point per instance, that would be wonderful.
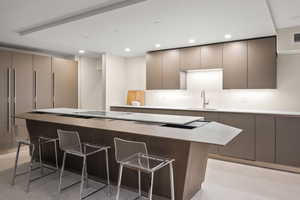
(212, 109)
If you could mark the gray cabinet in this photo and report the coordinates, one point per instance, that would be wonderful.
(287, 141)
(262, 63)
(211, 56)
(170, 70)
(163, 71)
(42, 81)
(65, 83)
(235, 65)
(154, 71)
(190, 58)
(212, 116)
(265, 138)
(243, 146)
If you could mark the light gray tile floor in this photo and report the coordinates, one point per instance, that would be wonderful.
(224, 180)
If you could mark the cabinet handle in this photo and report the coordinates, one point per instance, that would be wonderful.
(8, 100)
(34, 90)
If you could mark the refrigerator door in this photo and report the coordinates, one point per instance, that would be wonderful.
(6, 136)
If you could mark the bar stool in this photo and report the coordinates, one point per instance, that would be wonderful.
(41, 141)
(134, 155)
(70, 143)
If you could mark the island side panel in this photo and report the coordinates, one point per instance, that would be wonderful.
(196, 169)
(183, 152)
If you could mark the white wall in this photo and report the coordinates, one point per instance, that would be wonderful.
(91, 82)
(136, 73)
(286, 97)
(116, 80)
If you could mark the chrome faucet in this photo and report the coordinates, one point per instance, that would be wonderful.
(205, 101)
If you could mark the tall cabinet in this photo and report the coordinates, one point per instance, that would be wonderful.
(6, 140)
(64, 83)
(30, 82)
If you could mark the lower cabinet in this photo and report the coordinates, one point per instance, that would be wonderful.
(243, 146)
(288, 141)
(212, 116)
(265, 138)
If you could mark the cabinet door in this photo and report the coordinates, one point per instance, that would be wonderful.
(265, 138)
(212, 116)
(23, 84)
(235, 65)
(43, 81)
(6, 141)
(154, 71)
(262, 63)
(243, 146)
(211, 56)
(287, 141)
(190, 58)
(65, 83)
(171, 73)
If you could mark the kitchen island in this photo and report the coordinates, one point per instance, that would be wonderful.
(184, 138)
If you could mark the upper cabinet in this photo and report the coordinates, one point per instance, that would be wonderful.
(190, 58)
(248, 64)
(163, 70)
(235, 65)
(211, 56)
(262, 63)
(154, 71)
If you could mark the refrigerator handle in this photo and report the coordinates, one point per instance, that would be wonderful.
(8, 100)
(15, 95)
(53, 88)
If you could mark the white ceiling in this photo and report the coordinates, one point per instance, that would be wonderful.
(139, 27)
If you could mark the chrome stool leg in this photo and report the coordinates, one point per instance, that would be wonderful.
(107, 167)
(40, 157)
(151, 186)
(83, 177)
(119, 181)
(16, 165)
(172, 181)
(62, 171)
(30, 167)
(139, 177)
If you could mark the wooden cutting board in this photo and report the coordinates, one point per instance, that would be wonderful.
(136, 95)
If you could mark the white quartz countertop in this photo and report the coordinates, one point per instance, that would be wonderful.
(141, 117)
(250, 111)
(206, 132)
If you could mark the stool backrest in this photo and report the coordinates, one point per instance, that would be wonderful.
(126, 148)
(69, 140)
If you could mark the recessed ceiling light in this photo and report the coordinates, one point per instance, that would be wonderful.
(227, 36)
(157, 45)
(127, 49)
(191, 41)
(81, 51)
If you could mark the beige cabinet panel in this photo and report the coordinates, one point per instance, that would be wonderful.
(170, 72)
(262, 63)
(154, 71)
(265, 138)
(235, 65)
(23, 76)
(65, 83)
(211, 56)
(243, 146)
(43, 81)
(190, 58)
